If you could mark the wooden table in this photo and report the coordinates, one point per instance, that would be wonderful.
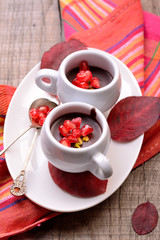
(27, 29)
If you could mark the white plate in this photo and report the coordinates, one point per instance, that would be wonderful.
(40, 187)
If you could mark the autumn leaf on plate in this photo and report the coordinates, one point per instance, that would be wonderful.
(55, 55)
(132, 116)
(83, 184)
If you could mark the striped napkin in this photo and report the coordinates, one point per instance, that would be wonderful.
(121, 28)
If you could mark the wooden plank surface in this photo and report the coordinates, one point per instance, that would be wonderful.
(27, 29)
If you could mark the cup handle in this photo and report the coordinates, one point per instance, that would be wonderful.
(100, 166)
(50, 87)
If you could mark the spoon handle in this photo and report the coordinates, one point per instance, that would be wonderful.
(18, 188)
(1, 152)
(30, 149)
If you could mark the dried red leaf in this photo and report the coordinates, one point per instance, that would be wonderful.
(132, 116)
(53, 58)
(83, 184)
(151, 144)
(144, 218)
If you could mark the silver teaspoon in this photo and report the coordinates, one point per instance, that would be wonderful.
(18, 187)
(37, 103)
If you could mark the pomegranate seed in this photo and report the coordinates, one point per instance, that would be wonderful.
(83, 66)
(76, 132)
(72, 139)
(86, 129)
(38, 115)
(84, 76)
(63, 130)
(41, 121)
(95, 82)
(77, 121)
(33, 113)
(75, 82)
(43, 109)
(84, 85)
(42, 115)
(69, 125)
(49, 111)
(65, 142)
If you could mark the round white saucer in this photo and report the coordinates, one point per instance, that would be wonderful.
(40, 187)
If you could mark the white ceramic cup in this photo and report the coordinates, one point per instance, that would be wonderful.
(103, 98)
(90, 158)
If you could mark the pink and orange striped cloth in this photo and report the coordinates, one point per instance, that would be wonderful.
(121, 28)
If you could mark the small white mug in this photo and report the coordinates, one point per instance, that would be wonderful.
(89, 158)
(102, 98)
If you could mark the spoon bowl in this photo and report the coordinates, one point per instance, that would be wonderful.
(35, 104)
(38, 103)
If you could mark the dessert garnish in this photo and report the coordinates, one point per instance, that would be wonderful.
(73, 135)
(84, 78)
(39, 114)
